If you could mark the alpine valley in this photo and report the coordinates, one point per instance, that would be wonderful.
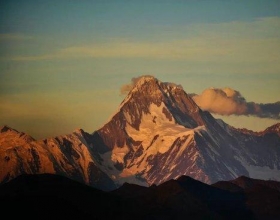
(157, 134)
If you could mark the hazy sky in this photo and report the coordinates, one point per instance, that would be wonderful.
(62, 63)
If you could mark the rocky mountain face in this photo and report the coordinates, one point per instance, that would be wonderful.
(66, 155)
(157, 134)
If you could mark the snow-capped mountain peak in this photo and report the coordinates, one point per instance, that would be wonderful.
(172, 100)
(159, 133)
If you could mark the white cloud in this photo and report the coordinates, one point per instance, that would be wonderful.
(228, 101)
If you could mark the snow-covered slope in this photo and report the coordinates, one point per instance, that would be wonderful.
(157, 134)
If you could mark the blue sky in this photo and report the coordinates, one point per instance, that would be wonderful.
(62, 63)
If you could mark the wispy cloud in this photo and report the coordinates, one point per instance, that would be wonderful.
(237, 43)
(190, 50)
(118, 49)
(265, 27)
(125, 89)
(228, 101)
(15, 37)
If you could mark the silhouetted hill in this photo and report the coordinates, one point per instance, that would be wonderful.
(262, 196)
(48, 196)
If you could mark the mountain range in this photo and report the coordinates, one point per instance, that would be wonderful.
(157, 134)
